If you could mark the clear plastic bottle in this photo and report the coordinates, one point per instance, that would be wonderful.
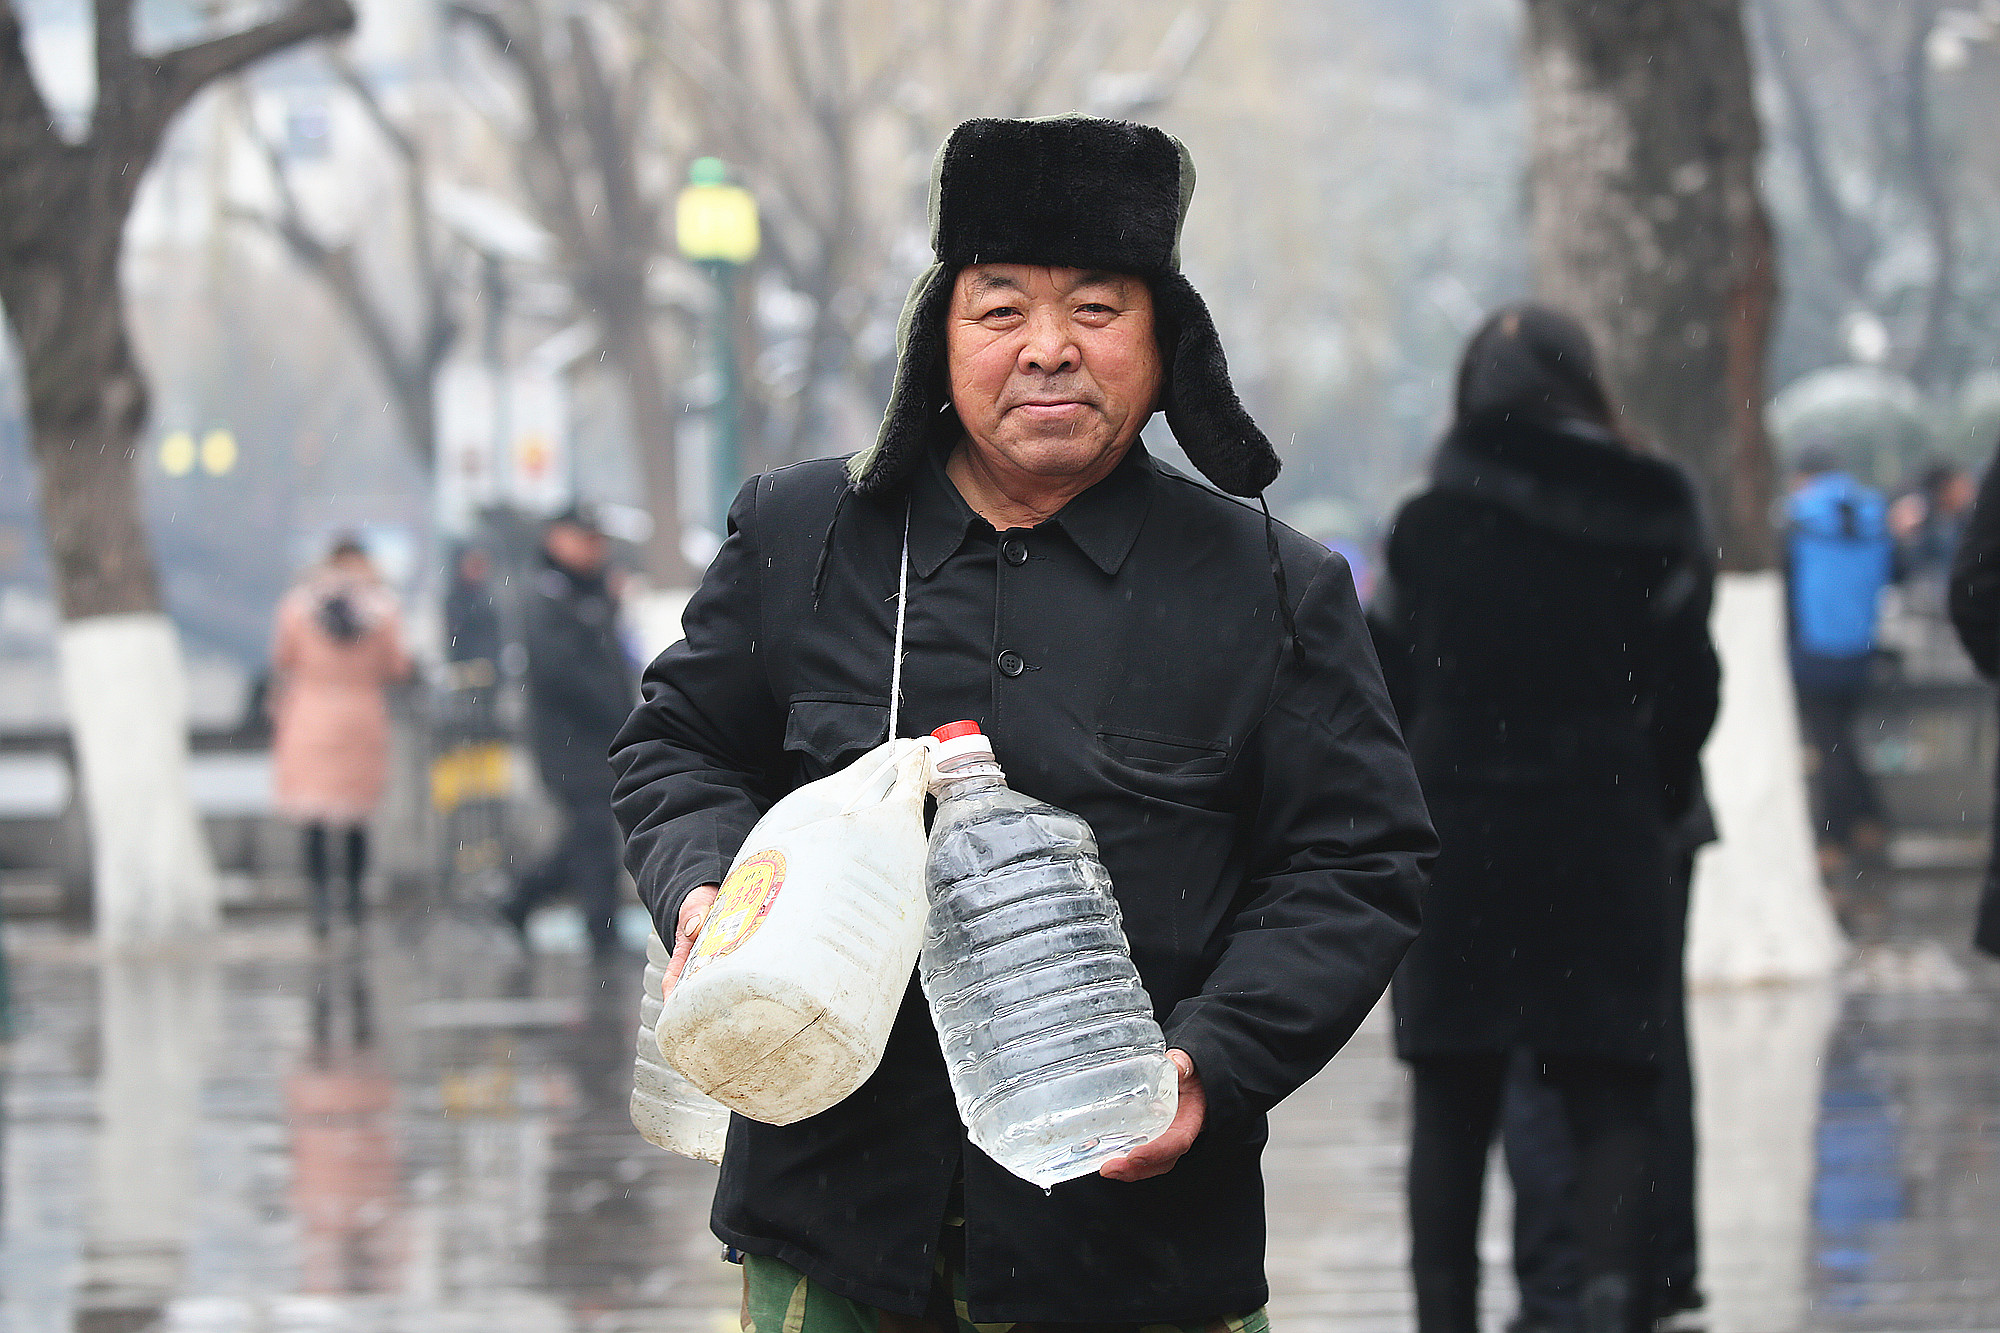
(667, 1110)
(1055, 1058)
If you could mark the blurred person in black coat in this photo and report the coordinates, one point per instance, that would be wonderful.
(1974, 597)
(1543, 627)
(472, 646)
(471, 617)
(1541, 1159)
(580, 691)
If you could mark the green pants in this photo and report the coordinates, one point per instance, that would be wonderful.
(778, 1298)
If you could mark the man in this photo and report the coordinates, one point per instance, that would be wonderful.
(472, 648)
(472, 622)
(1840, 557)
(1928, 524)
(1193, 680)
(579, 694)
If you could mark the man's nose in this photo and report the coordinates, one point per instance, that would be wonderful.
(1049, 349)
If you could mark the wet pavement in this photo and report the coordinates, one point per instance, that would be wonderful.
(419, 1130)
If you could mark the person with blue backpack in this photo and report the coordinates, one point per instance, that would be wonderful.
(1839, 557)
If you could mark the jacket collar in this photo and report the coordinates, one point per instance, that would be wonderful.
(1103, 522)
(1570, 477)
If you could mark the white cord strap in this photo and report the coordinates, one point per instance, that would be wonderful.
(902, 605)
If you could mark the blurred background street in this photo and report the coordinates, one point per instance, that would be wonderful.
(401, 284)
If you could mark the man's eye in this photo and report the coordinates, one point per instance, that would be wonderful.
(1001, 312)
(1095, 308)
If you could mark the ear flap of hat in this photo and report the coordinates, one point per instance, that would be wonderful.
(919, 393)
(1214, 431)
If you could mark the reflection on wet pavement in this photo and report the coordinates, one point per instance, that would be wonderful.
(420, 1130)
(1757, 1087)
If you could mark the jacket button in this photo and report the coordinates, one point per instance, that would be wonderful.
(1015, 550)
(1010, 663)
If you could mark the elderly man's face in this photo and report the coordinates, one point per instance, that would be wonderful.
(1053, 370)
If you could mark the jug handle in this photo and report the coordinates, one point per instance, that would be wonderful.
(876, 786)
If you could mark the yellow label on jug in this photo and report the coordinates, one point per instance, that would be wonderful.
(741, 906)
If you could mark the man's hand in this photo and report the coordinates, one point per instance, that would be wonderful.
(1158, 1156)
(694, 911)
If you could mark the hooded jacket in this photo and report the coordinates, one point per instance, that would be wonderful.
(1542, 624)
(1839, 557)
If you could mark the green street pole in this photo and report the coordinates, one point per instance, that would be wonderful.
(726, 460)
(715, 225)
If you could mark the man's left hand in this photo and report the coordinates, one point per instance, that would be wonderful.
(1157, 1156)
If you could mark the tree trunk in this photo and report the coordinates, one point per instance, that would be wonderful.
(63, 209)
(87, 402)
(628, 338)
(1649, 226)
(119, 657)
(1932, 361)
(1758, 914)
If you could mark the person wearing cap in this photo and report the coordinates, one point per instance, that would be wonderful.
(580, 692)
(1193, 679)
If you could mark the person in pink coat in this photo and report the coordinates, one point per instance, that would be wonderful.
(338, 646)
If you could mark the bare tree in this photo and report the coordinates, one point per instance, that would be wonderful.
(407, 361)
(828, 110)
(1648, 224)
(582, 166)
(62, 215)
(1875, 164)
(831, 110)
(63, 208)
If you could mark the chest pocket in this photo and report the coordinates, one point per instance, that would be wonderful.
(1180, 769)
(826, 733)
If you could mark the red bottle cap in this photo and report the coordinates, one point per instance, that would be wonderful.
(951, 731)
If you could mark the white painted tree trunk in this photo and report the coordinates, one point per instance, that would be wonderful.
(126, 694)
(1759, 912)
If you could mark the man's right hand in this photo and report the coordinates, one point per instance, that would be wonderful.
(694, 911)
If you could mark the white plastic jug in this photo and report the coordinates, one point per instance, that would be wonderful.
(667, 1110)
(794, 983)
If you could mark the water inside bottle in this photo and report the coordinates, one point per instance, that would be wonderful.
(1056, 1060)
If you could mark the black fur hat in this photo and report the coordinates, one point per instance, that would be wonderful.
(1076, 192)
